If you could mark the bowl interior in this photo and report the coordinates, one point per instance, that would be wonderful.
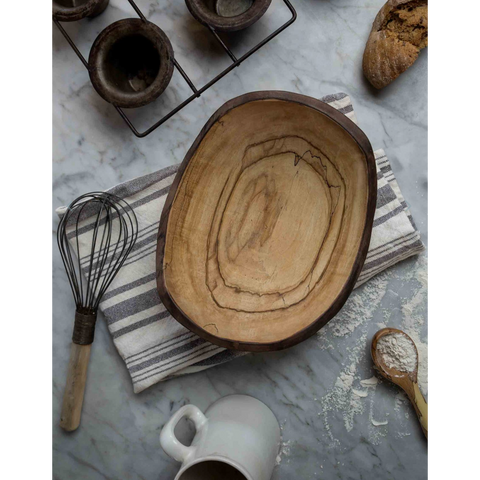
(228, 8)
(132, 63)
(228, 15)
(268, 226)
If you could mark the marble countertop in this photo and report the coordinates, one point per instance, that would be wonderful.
(328, 431)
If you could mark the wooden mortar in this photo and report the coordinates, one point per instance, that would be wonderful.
(205, 12)
(131, 63)
(73, 10)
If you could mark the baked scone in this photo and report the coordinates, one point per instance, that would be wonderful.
(399, 32)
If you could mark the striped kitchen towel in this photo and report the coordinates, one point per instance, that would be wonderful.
(152, 343)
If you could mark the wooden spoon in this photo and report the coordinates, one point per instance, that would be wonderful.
(405, 380)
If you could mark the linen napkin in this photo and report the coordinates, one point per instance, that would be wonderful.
(152, 343)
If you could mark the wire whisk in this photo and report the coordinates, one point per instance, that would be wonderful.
(110, 233)
(95, 236)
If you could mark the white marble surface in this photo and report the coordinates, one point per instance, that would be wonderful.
(320, 53)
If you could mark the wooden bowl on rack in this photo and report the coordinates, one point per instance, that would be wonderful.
(267, 224)
(226, 15)
(73, 10)
(131, 63)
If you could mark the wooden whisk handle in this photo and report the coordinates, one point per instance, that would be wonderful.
(77, 371)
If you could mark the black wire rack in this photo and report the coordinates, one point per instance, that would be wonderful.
(196, 91)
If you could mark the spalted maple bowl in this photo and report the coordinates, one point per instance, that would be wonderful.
(267, 224)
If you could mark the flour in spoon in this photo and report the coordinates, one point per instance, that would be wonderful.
(398, 352)
(347, 338)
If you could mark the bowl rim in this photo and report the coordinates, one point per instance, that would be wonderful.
(362, 141)
(227, 24)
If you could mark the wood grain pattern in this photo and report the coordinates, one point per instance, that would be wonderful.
(75, 387)
(267, 224)
(407, 381)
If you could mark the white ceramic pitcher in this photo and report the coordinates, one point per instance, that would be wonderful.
(237, 438)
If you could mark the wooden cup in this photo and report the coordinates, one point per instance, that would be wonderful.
(131, 63)
(206, 12)
(73, 10)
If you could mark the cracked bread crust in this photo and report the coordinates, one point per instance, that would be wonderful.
(399, 32)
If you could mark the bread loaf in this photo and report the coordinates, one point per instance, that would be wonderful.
(399, 32)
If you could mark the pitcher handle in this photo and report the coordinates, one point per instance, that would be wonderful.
(169, 442)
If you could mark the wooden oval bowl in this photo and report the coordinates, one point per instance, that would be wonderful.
(267, 224)
(205, 11)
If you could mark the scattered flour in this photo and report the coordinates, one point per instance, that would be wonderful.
(284, 447)
(410, 312)
(360, 393)
(283, 452)
(400, 398)
(422, 349)
(369, 382)
(356, 314)
(413, 319)
(376, 423)
(359, 308)
(352, 393)
(398, 351)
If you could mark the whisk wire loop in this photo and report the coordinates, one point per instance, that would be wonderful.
(105, 228)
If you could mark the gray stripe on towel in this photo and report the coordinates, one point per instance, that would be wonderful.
(140, 324)
(385, 195)
(131, 306)
(167, 355)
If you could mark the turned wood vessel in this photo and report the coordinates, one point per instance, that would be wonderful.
(267, 224)
(73, 10)
(227, 15)
(131, 63)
